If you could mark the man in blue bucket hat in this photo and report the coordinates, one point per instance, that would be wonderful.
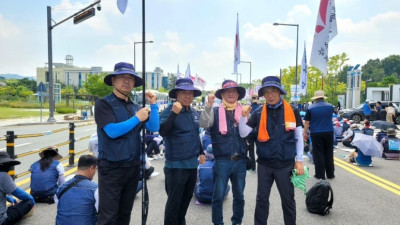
(119, 122)
(180, 130)
(279, 148)
(229, 149)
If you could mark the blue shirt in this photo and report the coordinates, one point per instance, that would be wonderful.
(366, 109)
(320, 116)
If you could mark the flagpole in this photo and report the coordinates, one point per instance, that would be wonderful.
(145, 194)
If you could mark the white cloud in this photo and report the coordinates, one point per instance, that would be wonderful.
(298, 11)
(269, 34)
(8, 29)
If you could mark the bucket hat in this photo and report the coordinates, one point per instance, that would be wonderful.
(123, 68)
(53, 149)
(270, 81)
(227, 84)
(184, 84)
(319, 94)
(5, 159)
(391, 132)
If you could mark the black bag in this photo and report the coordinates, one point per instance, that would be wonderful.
(317, 200)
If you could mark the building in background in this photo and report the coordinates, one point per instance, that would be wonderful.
(156, 79)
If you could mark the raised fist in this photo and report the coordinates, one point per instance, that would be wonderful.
(246, 110)
(211, 99)
(176, 107)
(143, 114)
(151, 97)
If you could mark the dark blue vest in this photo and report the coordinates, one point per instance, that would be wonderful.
(77, 205)
(184, 141)
(226, 145)
(44, 183)
(125, 147)
(282, 144)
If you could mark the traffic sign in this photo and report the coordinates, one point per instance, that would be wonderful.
(84, 16)
(41, 87)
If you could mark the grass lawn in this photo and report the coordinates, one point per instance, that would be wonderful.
(15, 113)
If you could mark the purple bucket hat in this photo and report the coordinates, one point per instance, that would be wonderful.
(185, 84)
(123, 68)
(271, 81)
(230, 84)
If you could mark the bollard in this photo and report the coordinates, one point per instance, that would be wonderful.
(71, 144)
(10, 151)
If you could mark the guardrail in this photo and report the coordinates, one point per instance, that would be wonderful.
(10, 146)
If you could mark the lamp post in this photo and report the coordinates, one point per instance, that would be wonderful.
(134, 50)
(297, 45)
(250, 69)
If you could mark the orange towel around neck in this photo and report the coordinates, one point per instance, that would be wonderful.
(290, 121)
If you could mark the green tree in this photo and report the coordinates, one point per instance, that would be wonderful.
(387, 81)
(171, 81)
(30, 84)
(23, 92)
(95, 85)
(391, 65)
(372, 70)
(67, 91)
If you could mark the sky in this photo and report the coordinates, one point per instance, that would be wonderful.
(192, 31)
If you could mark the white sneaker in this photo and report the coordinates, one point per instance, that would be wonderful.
(157, 157)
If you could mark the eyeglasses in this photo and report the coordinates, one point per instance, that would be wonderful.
(129, 78)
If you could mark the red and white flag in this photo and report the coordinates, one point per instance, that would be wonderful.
(122, 5)
(237, 47)
(188, 74)
(198, 81)
(325, 30)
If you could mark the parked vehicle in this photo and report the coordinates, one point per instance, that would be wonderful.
(357, 115)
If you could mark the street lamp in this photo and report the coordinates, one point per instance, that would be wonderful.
(297, 45)
(134, 50)
(250, 69)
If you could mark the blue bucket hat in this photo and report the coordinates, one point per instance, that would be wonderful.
(184, 84)
(123, 68)
(227, 84)
(271, 81)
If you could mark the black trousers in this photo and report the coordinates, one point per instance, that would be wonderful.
(16, 212)
(251, 139)
(117, 190)
(152, 148)
(323, 154)
(179, 185)
(266, 177)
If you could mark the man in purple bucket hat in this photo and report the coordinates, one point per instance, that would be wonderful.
(180, 130)
(119, 122)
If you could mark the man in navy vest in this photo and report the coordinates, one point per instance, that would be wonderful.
(279, 149)
(79, 203)
(119, 122)
(228, 147)
(180, 130)
(319, 119)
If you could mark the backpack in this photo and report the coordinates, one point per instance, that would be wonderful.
(317, 198)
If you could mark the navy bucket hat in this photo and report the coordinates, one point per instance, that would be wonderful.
(184, 84)
(6, 160)
(227, 84)
(123, 68)
(270, 81)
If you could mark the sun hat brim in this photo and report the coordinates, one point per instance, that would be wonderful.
(108, 78)
(9, 162)
(56, 157)
(196, 92)
(318, 97)
(241, 91)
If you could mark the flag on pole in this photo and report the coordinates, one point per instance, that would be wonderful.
(178, 75)
(325, 30)
(237, 47)
(198, 81)
(303, 76)
(122, 5)
(188, 74)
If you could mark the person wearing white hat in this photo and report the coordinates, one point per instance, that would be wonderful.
(318, 119)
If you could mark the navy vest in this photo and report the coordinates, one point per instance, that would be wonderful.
(77, 205)
(184, 141)
(282, 144)
(125, 147)
(44, 183)
(226, 145)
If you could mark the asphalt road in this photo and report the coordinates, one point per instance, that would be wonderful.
(362, 195)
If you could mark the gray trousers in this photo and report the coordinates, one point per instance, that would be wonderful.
(266, 177)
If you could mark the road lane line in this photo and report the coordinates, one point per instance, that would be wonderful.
(1, 149)
(365, 175)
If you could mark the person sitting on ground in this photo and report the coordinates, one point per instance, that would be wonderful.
(367, 129)
(358, 158)
(338, 133)
(391, 145)
(380, 135)
(349, 136)
(147, 174)
(152, 146)
(47, 175)
(204, 188)
(77, 199)
(17, 210)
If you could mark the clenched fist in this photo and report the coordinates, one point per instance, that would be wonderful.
(246, 110)
(143, 114)
(176, 107)
(151, 97)
(211, 99)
